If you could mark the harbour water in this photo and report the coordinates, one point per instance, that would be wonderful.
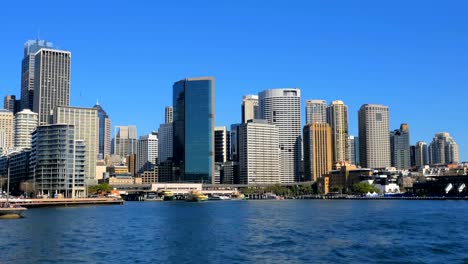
(296, 231)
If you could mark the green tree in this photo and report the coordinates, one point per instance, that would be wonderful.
(364, 187)
(100, 188)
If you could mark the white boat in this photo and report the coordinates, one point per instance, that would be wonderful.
(218, 198)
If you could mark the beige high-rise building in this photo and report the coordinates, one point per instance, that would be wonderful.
(249, 108)
(51, 82)
(6, 130)
(25, 123)
(86, 123)
(374, 136)
(259, 154)
(337, 117)
(443, 149)
(317, 150)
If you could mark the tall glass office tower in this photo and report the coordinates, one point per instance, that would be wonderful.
(193, 142)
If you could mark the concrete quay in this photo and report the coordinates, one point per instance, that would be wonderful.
(64, 202)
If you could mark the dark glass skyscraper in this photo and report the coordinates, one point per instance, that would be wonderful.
(104, 132)
(193, 145)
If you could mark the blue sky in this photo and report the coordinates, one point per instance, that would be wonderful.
(409, 55)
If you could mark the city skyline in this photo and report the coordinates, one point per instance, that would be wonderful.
(336, 81)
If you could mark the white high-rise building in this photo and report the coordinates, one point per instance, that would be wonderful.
(51, 82)
(259, 153)
(147, 153)
(316, 111)
(421, 154)
(6, 130)
(165, 142)
(337, 117)
(86, 124)
(125, 140)
(25, 123)
(374, 136)
(282, 108)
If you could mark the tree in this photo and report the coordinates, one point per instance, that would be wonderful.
(100, 188)
(364, 187)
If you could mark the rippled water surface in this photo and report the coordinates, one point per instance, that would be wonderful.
(241, 232)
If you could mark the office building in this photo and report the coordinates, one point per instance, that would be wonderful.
(6, 130)
(131, 164)
(165, 135)
(230, 173)
(421, 154)
(54, 172)
(317, 150)
(125, 140)
(400, 148)
(19, 170)
(147, 153)
(10, 103)
(337, 117)
(259, 153)
(443, 149)
(316, 111)
(86, 128)
(104, 148)
(31, 47)
(25, 124)
(374, 136)
(249, 108)
(413, 156)
(282, 108)
(234, 142)
(193, 142)
(222, 144)
(169, 115)
(51, 82)
(353, 150)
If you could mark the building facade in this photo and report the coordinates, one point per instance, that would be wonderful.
(10, 103)
(353, 150)
(169, 115)
(282, 108)
(421, 154)
(259, 153)
(374, 136)
(147, 153)
(104, 148)
(317, 150)
(316, 111)
(57, 161)
(443, 149)
(51, 82)
(337, 117)
(31, 47)
(193, 140)
(249, 108)
(400, 148)
(86, 128)
(6, 130)
(125, 140)
(25, 124)
(165, 142)
(222, 144)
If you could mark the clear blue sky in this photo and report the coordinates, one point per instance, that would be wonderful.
(409, 55)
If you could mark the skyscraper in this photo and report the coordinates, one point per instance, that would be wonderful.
(422, 154)
(169, 114)
(249, 108)
(353, 153)
(125, 140)
(9, 103)
(317, 150)
(316, 111)
(51, 82)
(165, 134)
(31, 47)
(400, 148)
(193, 145)
(234, 142)
(25, 124)
(337, 117)
(54, 171)
(6, 130)
(147, 153)
(443, 149)
(259, 153)
(221, 144)
(282, 107)
(374, 136)
(104, 148)
(86, 129)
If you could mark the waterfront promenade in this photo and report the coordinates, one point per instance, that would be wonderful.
(54, 202)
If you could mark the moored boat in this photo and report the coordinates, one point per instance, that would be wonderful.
(11, 212)
(196, 196)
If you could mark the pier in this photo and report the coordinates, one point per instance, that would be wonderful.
(64, 202)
